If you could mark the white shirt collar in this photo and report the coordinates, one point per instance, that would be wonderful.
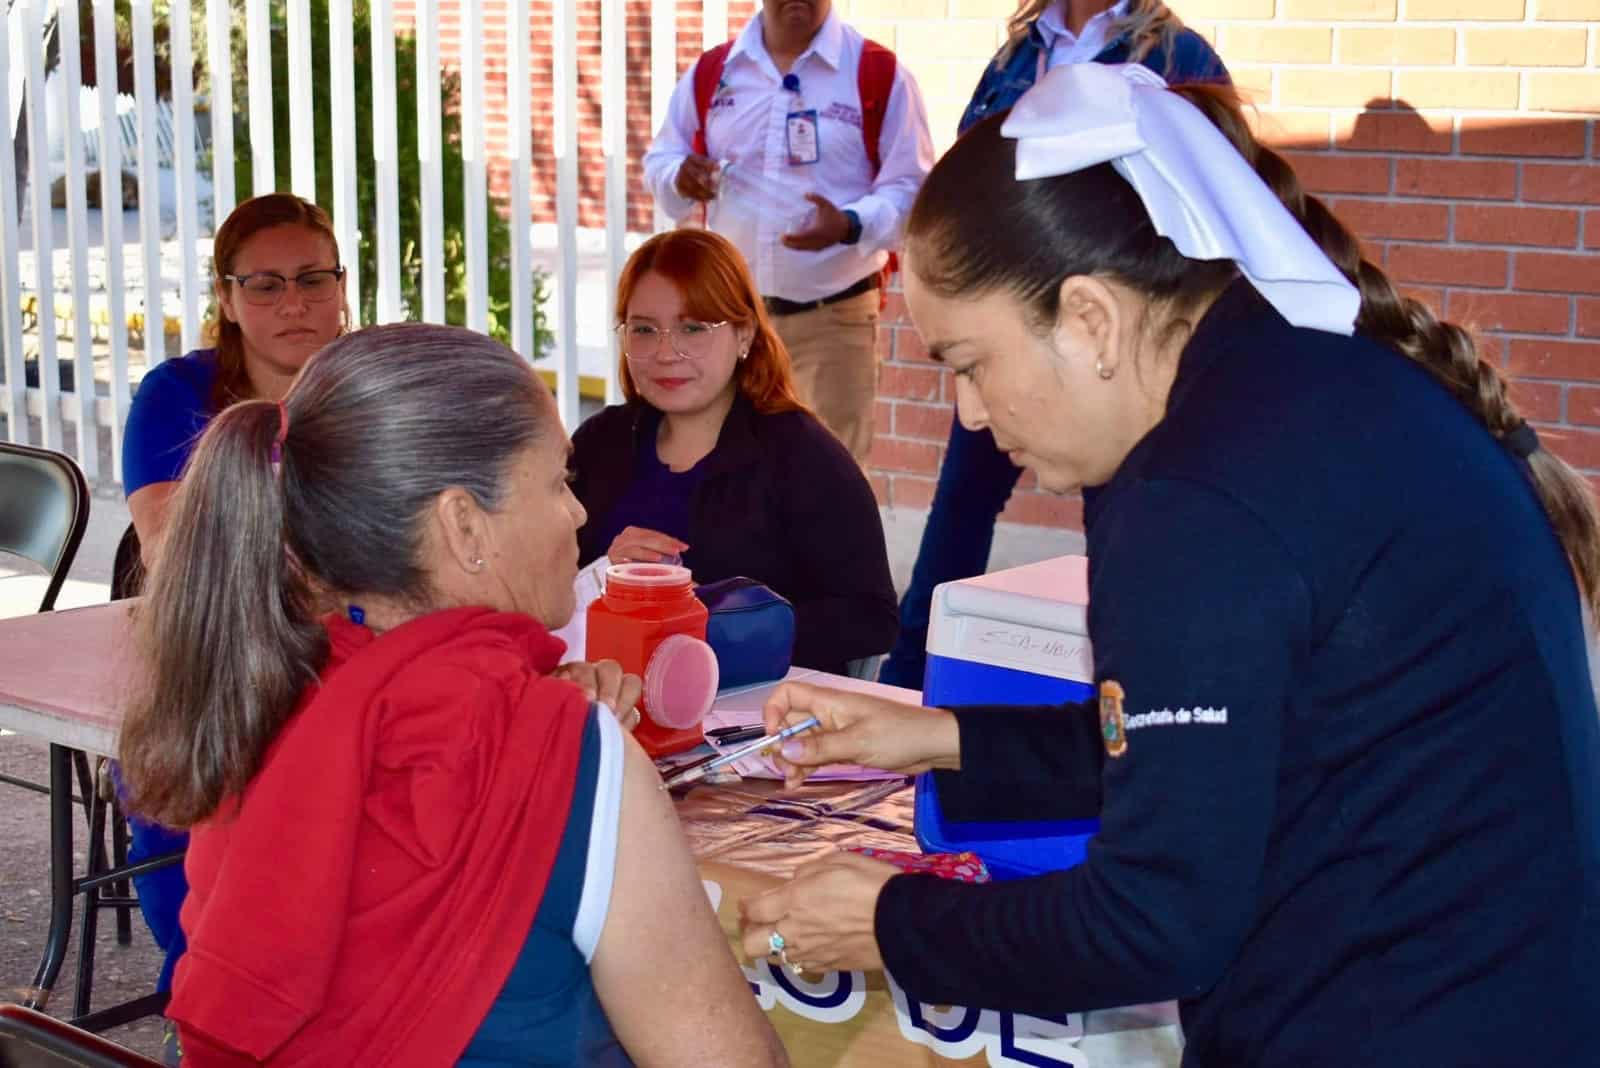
(827, 45)
(1053, 25)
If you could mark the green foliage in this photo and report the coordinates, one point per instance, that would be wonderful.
(161, 43)
(498, 231)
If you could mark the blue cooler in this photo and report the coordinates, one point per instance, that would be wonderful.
(1017, 637)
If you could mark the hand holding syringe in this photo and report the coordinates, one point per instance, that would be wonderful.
(695, 772)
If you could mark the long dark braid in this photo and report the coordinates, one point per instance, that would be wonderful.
(1447, 351)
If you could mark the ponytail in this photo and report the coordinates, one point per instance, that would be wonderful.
(281, 506)
(226, 630)
(1448, 352)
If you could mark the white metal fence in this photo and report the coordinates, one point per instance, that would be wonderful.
(103, 290)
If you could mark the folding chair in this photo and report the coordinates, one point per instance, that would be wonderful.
(127, 576)
(44, 508)
(865, 668)
(30, 1039)
(127, 567)
(127, 580)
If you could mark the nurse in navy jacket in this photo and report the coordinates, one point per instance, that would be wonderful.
(976, 479)
(1346, 746)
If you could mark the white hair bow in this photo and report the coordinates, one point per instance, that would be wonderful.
(1200, 193)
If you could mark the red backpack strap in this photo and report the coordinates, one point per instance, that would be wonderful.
(874, 83)
(707, 75)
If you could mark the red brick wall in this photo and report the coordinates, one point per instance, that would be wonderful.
(1455, 136)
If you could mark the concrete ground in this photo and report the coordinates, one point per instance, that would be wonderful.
(121, 972)
(124, 972)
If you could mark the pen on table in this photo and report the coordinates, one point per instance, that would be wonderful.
(696, 772)
(719, 737)
(734, 735)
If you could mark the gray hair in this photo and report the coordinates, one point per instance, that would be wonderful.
(379, 423)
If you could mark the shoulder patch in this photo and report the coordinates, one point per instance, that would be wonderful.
(1113, 730)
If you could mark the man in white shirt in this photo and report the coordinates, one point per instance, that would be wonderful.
(785, 174)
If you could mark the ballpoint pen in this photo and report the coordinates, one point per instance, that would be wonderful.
(696, 772)
(720, 737)
(734, 735)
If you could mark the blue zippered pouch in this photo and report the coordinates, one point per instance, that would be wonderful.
(751, 629)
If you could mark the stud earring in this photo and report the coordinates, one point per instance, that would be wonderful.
(1102, 370)
(477, 564)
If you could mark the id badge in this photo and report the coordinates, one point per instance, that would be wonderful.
(801, 133)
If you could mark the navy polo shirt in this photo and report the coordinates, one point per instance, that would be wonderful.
(170, 411)
(1357, 820)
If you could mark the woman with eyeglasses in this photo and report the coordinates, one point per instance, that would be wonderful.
(280, 297)
(975, 477)
(714, 460)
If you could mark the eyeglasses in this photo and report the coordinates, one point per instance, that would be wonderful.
(690, 339)
(265, 289)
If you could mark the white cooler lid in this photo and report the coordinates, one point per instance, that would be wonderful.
(1030, 618)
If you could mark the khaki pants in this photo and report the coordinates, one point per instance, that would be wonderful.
(834, 350)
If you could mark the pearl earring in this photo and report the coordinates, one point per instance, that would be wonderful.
(477, 564)
(1102, 370)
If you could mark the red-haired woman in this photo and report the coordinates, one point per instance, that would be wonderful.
(713, 457)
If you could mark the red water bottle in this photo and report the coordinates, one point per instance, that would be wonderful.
(650, 622)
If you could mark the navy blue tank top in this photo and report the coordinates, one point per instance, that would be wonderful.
(548, 1012)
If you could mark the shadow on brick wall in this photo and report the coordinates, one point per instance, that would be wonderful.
(1494, 223)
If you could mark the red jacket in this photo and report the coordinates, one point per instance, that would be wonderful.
(365, 898)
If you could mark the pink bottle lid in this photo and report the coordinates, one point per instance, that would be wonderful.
(680, 682)
(662, 574)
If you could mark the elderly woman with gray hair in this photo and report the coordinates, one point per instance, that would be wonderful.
(416, 838)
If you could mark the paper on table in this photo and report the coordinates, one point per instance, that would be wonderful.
(587, 587)
(742, 708)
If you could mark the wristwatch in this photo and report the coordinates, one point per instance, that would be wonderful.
(852, 232)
